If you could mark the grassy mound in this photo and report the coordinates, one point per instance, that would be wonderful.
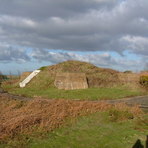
(103, 83)
(97, 77)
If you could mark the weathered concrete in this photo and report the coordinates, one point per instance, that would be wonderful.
(70, 81)
(29, 78)
(129, 78)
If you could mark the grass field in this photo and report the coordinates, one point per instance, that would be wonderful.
(92, 131)
(84, 94)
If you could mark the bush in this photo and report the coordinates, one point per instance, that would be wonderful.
(43, 68)
(119, 115)
(2, 77)
(144, 81)
(128, 71)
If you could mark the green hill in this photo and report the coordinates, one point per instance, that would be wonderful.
(96, 77)
(103, 83)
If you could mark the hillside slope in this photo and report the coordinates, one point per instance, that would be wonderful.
(96, 77)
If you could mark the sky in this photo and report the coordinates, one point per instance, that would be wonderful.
(107, 33)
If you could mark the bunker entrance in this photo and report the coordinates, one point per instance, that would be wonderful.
(70, 81)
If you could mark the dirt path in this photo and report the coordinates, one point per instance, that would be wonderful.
(14, 97)
(142, 101)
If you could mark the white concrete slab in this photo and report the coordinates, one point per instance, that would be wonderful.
(29, 78)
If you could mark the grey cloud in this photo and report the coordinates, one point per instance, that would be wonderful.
(101, 60)
(96, 25)
(137, 44)
(56, 57)
(146, 66)
(42, 9)
(9, 54)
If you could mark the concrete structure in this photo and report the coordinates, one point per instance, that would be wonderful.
(29, 78)
(70, 81)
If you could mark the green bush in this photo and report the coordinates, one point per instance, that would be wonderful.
(128, 71)
(43, 68)
(144, 81)
(2, 77)
(118, 115)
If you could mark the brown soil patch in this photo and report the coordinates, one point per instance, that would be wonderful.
(18, 117)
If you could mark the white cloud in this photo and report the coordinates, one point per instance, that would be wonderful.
(98, 28)
(101, 60)
(9, 53)
(137, 44)
(16, 21)
(86, 25)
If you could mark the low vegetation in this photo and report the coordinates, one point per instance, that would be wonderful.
(82, 94)
(128, 71)
(3, 77)
(144, 80)
(94, 131)
(65, 123)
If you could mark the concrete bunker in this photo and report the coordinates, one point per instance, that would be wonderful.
(70, 81)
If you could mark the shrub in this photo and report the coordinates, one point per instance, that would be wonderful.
(119, 115)
(43, 68)
(144, 81)
(128, 71)
(2, 77)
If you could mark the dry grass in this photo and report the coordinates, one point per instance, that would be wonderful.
(18, 117)
(24, 75)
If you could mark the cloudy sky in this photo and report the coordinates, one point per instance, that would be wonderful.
(107, 33)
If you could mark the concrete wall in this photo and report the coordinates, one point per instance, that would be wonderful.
(69, 81)
(129, 78)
